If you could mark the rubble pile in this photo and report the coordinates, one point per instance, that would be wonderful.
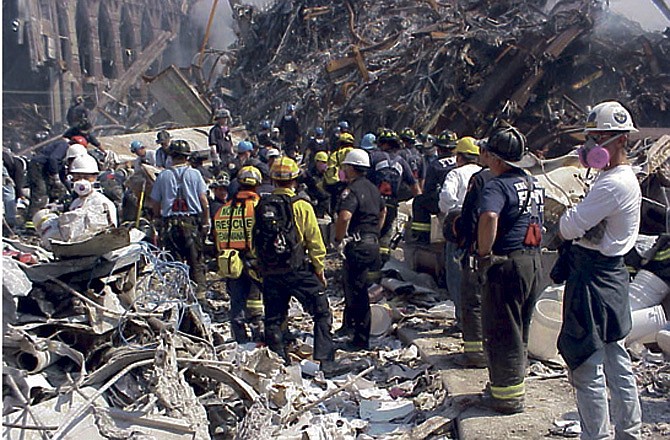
(114, 344)
(459, 65)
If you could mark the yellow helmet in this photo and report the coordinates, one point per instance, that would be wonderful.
(249, 175)
(345, 139)
(321, 156)
(284, 168)
(467, 145)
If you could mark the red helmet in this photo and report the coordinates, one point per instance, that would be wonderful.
(79, 140)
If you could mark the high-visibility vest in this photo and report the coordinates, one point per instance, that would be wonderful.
(234, 221)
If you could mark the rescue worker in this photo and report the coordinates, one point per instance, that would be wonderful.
(13, 173)
(264, 136)
(427, 203)
(361, 213)
(179, 196)
(471, 291)
(220, 141)
(334, 177)
(289, 127)
(144, 156)
(412, 156)
(244, 158)
(315, 144)
(233, 226)
(451, 198)
(83, 129)
(77, 111)
(163, 139)
(307, 282)
(596, 311)
(45, 171)
(508, 259)
(387, 158)
(84, 171)
(314, 184)
(219, 189)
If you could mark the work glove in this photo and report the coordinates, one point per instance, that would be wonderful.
(58, 190)
(482, 266)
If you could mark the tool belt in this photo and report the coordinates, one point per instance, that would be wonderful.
(474, 262)
(365, 237)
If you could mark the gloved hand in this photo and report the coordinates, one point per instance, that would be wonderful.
(482, 266)
(58, 190)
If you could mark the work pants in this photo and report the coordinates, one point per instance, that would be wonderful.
(361, 266)
(244, 293)
(386, 233)
(471, 311)
(453, 270)
(305, 287)
(39, 190)
(508, 301)
(423, 206)
(183, 238)
(609, 367)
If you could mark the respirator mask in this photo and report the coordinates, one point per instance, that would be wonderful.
(593, 153)
(83, 187)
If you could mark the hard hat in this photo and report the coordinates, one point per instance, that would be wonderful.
(266, 124)
(408, 134)
(75, 150)
(222, 113)
(84, 164)
(290, 108)
(221, 181)
(272, 152)
(446, 139)
(249, 175)
(163, 135)
(319, 131)
(284, 169)
(79, 140)
(369, 141)
(135, 146)
(179, 147)
(388, 136)
(358, 158)
(244, 146)
(321, 156)
(508, 144)
(344, 125)
(467, 145)
(345, 139)
(609, 116)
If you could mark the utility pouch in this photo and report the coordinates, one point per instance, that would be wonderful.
(230, 264)
(533, 236)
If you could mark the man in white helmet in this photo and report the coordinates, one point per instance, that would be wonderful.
(596, 310)
(84, 171)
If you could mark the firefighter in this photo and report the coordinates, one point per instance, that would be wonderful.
(233, 225)
(220, 140)
(360, 216)
(289, 127)
(163, 139)
(297, 268)
(508, 259)
(179, 197)
(596, 310)
(426, 204)
(451, 198)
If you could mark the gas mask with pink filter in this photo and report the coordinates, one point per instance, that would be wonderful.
(594, 154)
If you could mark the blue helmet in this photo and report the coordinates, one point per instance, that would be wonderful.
(319, 131)
(135, 146)
(244, 146)
(266, 125)
(344, 125)
(369, 141)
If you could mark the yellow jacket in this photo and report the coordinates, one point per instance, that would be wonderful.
(307, 228)
(335, 159)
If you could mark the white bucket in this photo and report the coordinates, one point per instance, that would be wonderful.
(646, 323)
(646, 290)
(544, 329)
(380, 319)
(663, 341)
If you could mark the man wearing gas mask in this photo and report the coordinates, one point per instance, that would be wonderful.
(596, 310)
(84, 171)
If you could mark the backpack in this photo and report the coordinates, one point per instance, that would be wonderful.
(275, 236)
(387, 176)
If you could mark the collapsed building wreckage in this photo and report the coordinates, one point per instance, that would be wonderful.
(107, 324)
(457, 65)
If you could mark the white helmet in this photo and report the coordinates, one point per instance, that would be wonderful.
(357, 157)
(75, 150)
(85, 164)
(609, 116)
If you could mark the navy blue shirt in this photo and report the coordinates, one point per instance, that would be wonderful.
(505, 195)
